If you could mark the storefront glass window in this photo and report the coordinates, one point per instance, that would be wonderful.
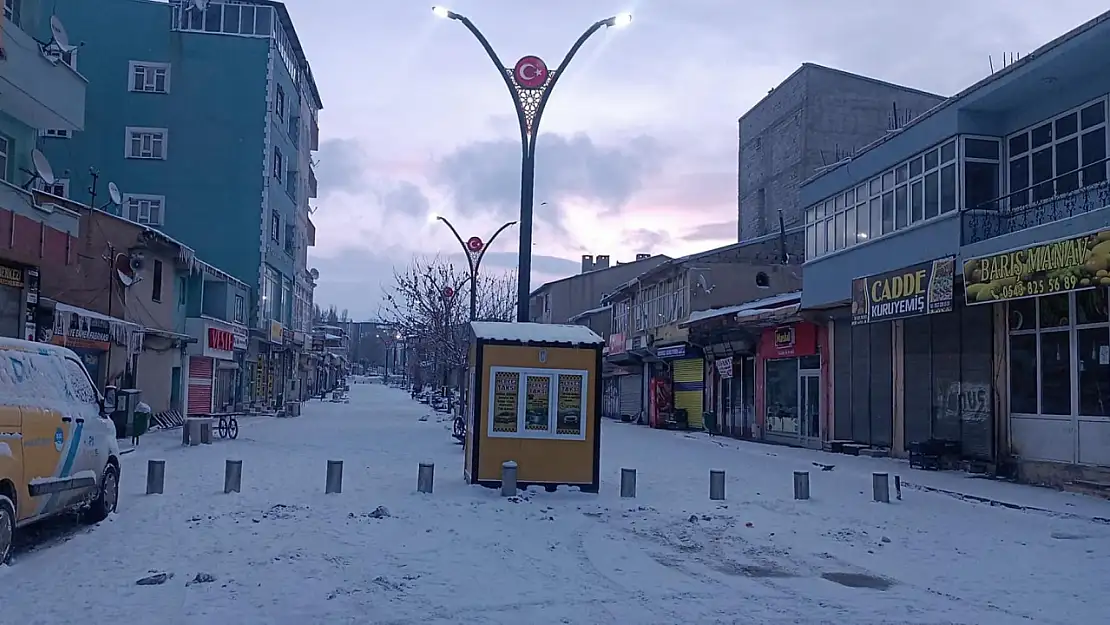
(782, 396)
(1056, 373)
(1023, 373)
(1094, 371)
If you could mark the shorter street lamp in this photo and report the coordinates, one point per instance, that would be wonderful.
(475, 250)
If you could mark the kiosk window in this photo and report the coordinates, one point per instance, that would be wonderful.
(538, 403)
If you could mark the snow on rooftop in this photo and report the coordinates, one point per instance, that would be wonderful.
(535, 332)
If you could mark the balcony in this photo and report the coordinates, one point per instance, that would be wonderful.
(39, 91)
(312, 184)
(1036, 206)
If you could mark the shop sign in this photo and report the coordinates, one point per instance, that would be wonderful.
(671, 351)
(799, 339)
(922, 289)
(1055, 267)
(724, 367)
(616, 344)
(240, 343)
(219, 343)
(275, 332)
(11, 276)
(286, 336)
(83, 332)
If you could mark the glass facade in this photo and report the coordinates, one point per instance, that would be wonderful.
(1058, 156)
(919, 189)
(230, 18)
(1060, 355)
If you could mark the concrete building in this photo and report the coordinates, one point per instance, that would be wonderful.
(206, 121)
(817, 117)
(961, 268)
(38, 90)
(558, 301)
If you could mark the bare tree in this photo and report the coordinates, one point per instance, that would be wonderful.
(428, 304)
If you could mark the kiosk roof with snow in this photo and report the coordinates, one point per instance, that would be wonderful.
(534, 398)
(535, 333)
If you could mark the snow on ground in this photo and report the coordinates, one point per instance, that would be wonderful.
(283, 552)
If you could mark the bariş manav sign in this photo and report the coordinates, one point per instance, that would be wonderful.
(1055, 267)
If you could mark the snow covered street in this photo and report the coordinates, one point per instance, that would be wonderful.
(284, 552)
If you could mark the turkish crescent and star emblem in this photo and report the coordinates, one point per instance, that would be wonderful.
(474, 244)
(530, 72)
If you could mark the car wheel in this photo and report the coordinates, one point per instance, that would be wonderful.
(7, 528)
(107, 499)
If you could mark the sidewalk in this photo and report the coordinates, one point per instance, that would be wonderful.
(965, 486)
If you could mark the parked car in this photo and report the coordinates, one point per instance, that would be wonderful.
(58, 449)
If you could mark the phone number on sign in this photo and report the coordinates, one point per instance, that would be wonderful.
(1040, 286)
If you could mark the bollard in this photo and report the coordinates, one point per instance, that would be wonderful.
(233, 476)
(185, 433)
(194, 431)
(508, 479)
(425, 477)
(334, 482)
(206, 432)
(628, 483)
(155, 477)
(880, 484)
(801, 485)
(898, 487)
(716, 485)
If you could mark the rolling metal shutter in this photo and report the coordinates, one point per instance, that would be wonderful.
(689, 389)
(631, 395)
(200, 385)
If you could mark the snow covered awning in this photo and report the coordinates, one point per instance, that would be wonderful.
(741, 310)
(535, 333)
(73, 322)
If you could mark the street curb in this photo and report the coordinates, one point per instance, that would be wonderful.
(1005, 504)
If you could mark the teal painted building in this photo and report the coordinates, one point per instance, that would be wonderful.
(205, 121)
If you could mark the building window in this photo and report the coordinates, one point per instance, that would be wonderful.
(227, 19)
(148, 210)
(5, 148)
(1059, 346)
(149, 77)
(57, 133)
(921, 188)
(279, 103)
(148, 143)
(279, 163)
(286, 301)
(291, 184)
(156, 283)
(182, 286)
(1058, 156)
(60, 188)
(11, 10)
(290, 238)
(271, 295)
(981, 172)
(239, 312)
(275, 225)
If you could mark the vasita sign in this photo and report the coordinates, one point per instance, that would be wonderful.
(220, 340)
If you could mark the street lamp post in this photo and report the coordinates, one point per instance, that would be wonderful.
(474, 249)
(530, 83)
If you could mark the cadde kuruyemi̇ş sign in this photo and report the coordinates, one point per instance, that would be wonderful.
(921, 289)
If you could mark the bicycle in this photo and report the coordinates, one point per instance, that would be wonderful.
(228, 427)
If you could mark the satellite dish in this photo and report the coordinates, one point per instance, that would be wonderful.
(122, 265)
(43, 170)
(113, 194)
(315, 273)
(59, 34)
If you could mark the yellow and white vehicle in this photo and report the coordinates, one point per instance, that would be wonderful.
(58, 452)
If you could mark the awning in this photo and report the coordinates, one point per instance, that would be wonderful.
(125, 333)
(768, 316)
(759, 305)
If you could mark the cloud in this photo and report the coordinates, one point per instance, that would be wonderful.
(645, 239)
(719, 231)
(405, 198)
(340, 166)
(484, 176)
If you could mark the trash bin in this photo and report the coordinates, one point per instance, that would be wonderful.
(710, 419)
(141, 422)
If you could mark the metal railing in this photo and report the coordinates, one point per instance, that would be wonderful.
(1021, 209)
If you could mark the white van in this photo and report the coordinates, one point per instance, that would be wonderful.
(58, 451)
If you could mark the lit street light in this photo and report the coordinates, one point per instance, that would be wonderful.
(530, 83)
(474, 249)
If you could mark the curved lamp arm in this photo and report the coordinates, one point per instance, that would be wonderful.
(465, 21)
(562, 68)
(478, 261)
(458, 238)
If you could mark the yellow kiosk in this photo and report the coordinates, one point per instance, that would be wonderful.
(534, 398)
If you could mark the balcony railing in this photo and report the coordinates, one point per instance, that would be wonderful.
(1019, 209)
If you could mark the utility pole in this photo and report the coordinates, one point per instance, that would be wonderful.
(111, 259)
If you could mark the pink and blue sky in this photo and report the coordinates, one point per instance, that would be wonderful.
(637, 151)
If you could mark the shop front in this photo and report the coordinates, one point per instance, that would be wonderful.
(19, 296)
(676, 391)
(729, 351)
(91, 336)
(213, 366)
(788, 369)
(625, 379)
(1055, 301)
